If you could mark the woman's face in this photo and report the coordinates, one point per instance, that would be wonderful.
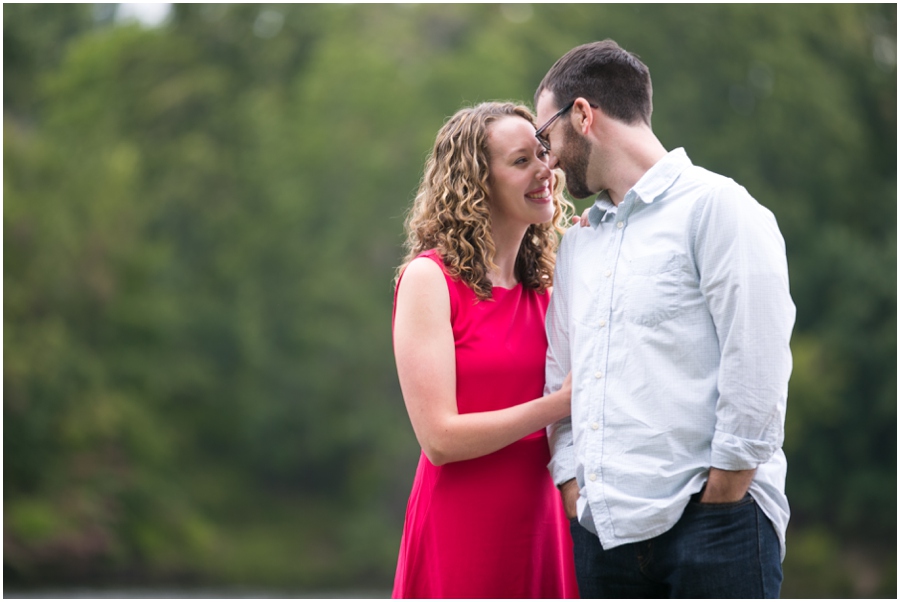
(520, 182)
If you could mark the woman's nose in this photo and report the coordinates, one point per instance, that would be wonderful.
(546, 171)
(552, 161)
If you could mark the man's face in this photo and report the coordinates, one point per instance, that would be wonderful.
(573, 157)
(568, 150)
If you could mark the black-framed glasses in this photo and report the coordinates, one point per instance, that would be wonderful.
(539, 134)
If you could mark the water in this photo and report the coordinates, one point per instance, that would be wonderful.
(163, 593)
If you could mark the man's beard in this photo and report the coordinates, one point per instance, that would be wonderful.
(575, 162)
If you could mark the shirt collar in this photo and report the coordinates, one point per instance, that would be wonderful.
(661, 176)
(652, 184)
(602, 205)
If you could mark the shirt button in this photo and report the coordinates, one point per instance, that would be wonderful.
(620, 225)
(608, 273)
(602, 323)
(595, 426)
(598, 374)
(592, 476)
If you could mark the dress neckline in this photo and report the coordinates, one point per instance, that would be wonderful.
(504, 289)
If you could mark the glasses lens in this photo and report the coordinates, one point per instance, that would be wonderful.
(544, 142)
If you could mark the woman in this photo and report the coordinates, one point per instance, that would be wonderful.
(484, 519)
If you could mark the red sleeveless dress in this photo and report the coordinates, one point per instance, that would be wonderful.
(494, 526)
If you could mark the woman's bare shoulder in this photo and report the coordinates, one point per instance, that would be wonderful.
(423, 276)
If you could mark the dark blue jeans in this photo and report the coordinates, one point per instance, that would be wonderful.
(713, 551)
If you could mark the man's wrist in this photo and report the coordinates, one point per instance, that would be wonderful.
(569, 493)
(564, 483)
(724, 486)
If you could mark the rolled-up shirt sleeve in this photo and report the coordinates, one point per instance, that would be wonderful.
(740, 256)
(559, 364)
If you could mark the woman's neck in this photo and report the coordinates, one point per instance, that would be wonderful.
(506, 251)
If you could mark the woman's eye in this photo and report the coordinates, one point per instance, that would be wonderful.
(544, 153)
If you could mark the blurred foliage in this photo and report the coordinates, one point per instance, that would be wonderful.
(201, 222)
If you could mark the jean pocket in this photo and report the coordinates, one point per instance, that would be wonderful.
(744, 501)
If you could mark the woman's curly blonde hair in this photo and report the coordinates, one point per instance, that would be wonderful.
(451, 211)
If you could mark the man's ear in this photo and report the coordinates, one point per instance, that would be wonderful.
(583, 115)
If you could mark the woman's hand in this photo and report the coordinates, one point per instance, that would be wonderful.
(582, 220)
(563, 398)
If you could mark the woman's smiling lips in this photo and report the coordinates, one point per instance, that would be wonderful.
(541, 195)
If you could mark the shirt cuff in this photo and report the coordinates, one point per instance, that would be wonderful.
(562, 465)
(730, 452)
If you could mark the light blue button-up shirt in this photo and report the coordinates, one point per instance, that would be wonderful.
(673, 313)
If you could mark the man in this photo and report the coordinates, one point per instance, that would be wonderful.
(671, 308)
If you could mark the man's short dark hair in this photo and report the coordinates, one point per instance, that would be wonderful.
(606, 74)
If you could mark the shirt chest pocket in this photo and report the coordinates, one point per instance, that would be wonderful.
(655, 288)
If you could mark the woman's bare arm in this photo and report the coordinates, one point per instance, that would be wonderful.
(426, 365)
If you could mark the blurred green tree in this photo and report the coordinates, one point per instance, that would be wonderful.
(201, 223)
